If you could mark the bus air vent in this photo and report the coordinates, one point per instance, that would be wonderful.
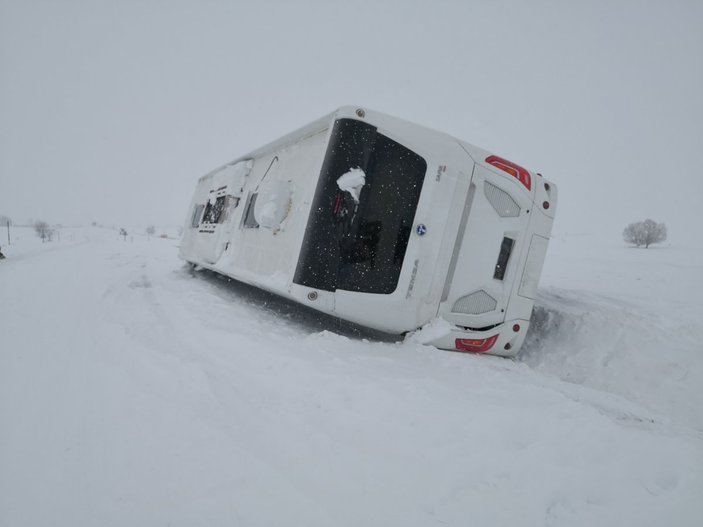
(475, 303)
(501, 201)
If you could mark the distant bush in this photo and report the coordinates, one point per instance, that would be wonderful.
(644, 233)
(43, 230)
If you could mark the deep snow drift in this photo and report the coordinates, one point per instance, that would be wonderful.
(135, 392)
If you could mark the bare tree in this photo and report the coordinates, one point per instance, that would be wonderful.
(644, 233)
(150, 230)
(43, 230)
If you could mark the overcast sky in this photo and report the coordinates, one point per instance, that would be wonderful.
(111, 110)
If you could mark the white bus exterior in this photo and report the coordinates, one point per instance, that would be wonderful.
(383, 223)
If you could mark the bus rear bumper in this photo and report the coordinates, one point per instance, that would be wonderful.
(504, 340)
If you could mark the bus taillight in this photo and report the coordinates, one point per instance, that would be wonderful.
(519, 173)
(475, 345)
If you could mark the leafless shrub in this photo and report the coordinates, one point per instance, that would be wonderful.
(644, 233)
(43, 230)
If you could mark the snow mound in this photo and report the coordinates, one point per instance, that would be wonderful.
(352, 182)
(608, 344)
(429, 332)
(273, 204)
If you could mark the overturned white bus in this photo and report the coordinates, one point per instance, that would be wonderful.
(383, 223)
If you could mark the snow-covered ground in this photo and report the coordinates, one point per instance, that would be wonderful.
(135, 392)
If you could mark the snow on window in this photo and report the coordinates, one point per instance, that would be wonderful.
(273, 204)
(267, 216)
(214, 210)
(352, 182)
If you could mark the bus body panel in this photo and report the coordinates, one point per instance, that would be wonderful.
(439, 228)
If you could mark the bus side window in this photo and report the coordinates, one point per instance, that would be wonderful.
(249, 221)
(219, 211)
(197, 215)
(229, 203)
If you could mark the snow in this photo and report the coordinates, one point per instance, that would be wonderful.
(352, 182)
(630, 319)
(273, 204)
(134, 391)
(268, 213)
(431, 331)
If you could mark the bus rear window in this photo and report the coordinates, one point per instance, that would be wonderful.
(360, 245)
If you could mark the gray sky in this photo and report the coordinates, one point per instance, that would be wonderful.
(110, 111)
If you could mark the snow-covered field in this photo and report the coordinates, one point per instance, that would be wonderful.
(135, 392)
